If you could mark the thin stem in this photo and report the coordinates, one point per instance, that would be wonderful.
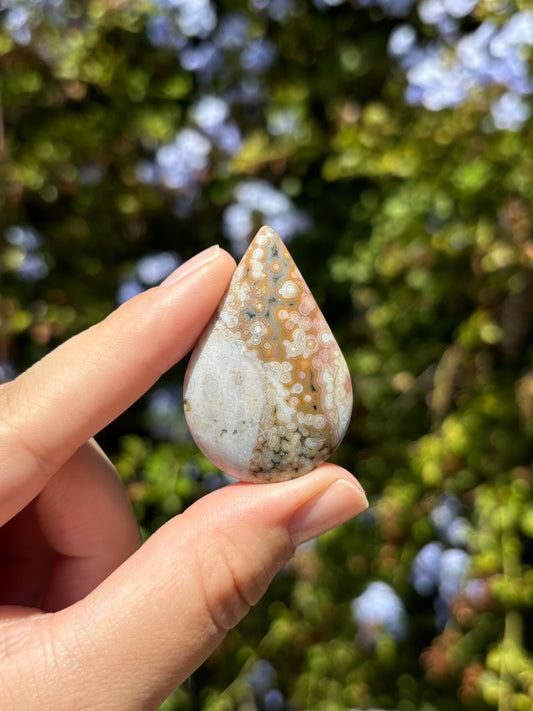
(513, 629)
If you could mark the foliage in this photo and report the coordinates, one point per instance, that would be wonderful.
(391, 143)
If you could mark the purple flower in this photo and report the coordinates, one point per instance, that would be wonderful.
(258, 56)
(232, 31)
(23, 236)
(402, 40)
(379, 606)
(153, 268)
(257, 197)
(455, 564)
(510, 111)
(127, 289)
(7, 371)
(426, 568)
(182, 162)
(210, 111)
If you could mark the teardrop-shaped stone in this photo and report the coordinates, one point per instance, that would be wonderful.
(267, 392)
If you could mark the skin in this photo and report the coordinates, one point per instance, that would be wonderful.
(88, 618)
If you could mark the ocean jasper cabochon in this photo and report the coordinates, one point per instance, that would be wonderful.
(267, 392)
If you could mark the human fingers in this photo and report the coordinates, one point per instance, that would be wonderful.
(157, 617)
(70, 537)
(49, 411)
(87, 520)
(25, 562)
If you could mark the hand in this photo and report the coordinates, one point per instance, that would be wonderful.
(89, 620)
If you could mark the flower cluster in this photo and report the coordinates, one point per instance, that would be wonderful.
(149, 271)
(379, 609)
(23, 257)
(23, 16)
(445, 73)
(258, 201)
(441, 568)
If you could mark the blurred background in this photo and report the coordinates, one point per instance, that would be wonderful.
(389, 142)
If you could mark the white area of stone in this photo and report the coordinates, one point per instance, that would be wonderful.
(226, 398)
(277, 394)
(288, 290)
(342, 401)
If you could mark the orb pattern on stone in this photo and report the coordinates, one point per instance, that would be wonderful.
(267, 393)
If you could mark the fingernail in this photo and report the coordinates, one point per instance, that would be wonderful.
(339, 503)
(199, 260)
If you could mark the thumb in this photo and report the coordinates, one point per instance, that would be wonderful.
(152, 622)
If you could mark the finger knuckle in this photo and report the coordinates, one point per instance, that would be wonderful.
(233, 576)
(14, 444)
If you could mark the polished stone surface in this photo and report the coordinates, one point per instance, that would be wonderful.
(267, 393)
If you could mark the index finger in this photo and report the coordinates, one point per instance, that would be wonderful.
(67, 397)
